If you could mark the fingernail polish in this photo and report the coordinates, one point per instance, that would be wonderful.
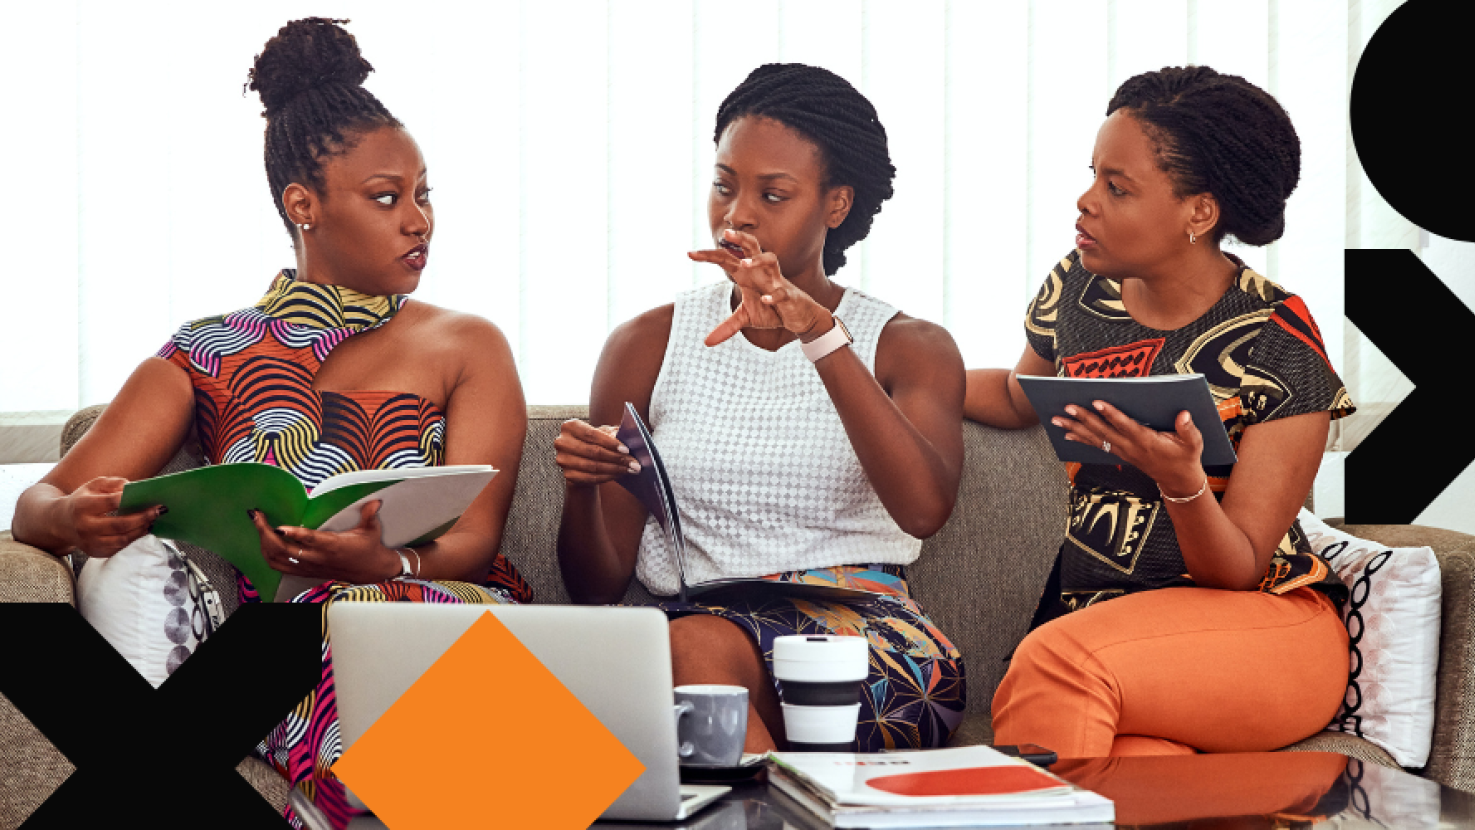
(163, 508)
(1099, 405)
(634, 466)
(251, 514)
(624, 449)
(1057, 422)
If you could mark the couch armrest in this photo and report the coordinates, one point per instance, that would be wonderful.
(1452, 759)
(30, 574)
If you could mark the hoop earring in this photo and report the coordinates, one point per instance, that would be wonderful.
(1192, 240)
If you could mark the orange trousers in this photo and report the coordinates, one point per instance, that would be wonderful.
(1174, 671)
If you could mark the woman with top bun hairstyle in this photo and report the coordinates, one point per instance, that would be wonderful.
(1186, 610)
(334, 369)
(801, 448)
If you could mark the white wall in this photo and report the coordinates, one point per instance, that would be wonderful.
(569, 145)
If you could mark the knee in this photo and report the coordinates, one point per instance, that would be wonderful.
(1044, 657)
(1038, 650)
(711, 645)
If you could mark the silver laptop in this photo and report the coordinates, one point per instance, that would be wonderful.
(616, 661)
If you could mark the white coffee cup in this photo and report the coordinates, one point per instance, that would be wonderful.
(820, 679)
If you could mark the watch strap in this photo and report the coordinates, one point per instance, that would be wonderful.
(828, 342)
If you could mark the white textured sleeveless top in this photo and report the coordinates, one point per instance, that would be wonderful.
(764, 474)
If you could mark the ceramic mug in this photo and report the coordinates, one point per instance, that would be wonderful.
(711, 725)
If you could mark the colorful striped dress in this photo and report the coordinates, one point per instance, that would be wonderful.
(253, 373)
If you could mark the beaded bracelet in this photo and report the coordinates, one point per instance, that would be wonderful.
(1185, 499)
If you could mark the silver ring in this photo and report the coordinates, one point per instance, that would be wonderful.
(1106, 446)
(293, 560)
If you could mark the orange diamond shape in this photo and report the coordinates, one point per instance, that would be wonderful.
(488, 736)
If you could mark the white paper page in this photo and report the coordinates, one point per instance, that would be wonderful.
(361, 476)
(418, 504)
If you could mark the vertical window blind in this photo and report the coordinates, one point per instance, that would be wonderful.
(570, 150)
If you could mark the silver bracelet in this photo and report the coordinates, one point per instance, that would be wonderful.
(405, 560)
(1186, 499)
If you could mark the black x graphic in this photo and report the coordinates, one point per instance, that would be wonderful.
(140, 753)
(1424, 329)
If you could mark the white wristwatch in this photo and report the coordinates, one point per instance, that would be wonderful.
(831, 340)
(404, 562)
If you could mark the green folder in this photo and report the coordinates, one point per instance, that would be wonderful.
(207, 507)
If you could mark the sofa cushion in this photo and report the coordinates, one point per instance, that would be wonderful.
(146, 603)
(980, 577)
(28, 574)
(530, 539)
(1452, 755)
(1392, 617)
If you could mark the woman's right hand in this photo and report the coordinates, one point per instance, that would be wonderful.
(93, 530)
(590, 455)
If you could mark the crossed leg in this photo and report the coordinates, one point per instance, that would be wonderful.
(707, 649)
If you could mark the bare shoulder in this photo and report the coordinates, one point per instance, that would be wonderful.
(911, 351)
(910, 337)
(643, 333)
(458, 329)
(630, 364)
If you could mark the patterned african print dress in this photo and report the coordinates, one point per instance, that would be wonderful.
(252, 372)
(769, 486)
(1263, 357)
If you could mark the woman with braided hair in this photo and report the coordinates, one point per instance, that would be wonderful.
(799, 449)
(333, 370)
(1186, 610)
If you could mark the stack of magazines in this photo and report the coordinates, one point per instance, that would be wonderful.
(972, 786)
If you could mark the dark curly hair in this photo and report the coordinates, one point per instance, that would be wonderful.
(310, 77)
(827, 110)
(1223, 135)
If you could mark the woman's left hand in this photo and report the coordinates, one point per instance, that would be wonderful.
(1172, 459)
(768, 300)
(357, 556)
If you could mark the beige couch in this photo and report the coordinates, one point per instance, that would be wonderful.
(979, 578)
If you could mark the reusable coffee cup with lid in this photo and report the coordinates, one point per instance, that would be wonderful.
(711, 725)
(820, 681)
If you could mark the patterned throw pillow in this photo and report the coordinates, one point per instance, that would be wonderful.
(149, 602)
(1392, 621)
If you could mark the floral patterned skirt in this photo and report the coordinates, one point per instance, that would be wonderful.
(304, 747)
(915, 687)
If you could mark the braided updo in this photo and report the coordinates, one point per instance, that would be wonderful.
(828, 111)
(310, 77)
(1223, 135)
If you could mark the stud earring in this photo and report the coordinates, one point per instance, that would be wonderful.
(1192, 239)
(305, 226)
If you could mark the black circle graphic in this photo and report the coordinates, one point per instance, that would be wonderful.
(1405, 112)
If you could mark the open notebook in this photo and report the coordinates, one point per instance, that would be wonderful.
(653, 487)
